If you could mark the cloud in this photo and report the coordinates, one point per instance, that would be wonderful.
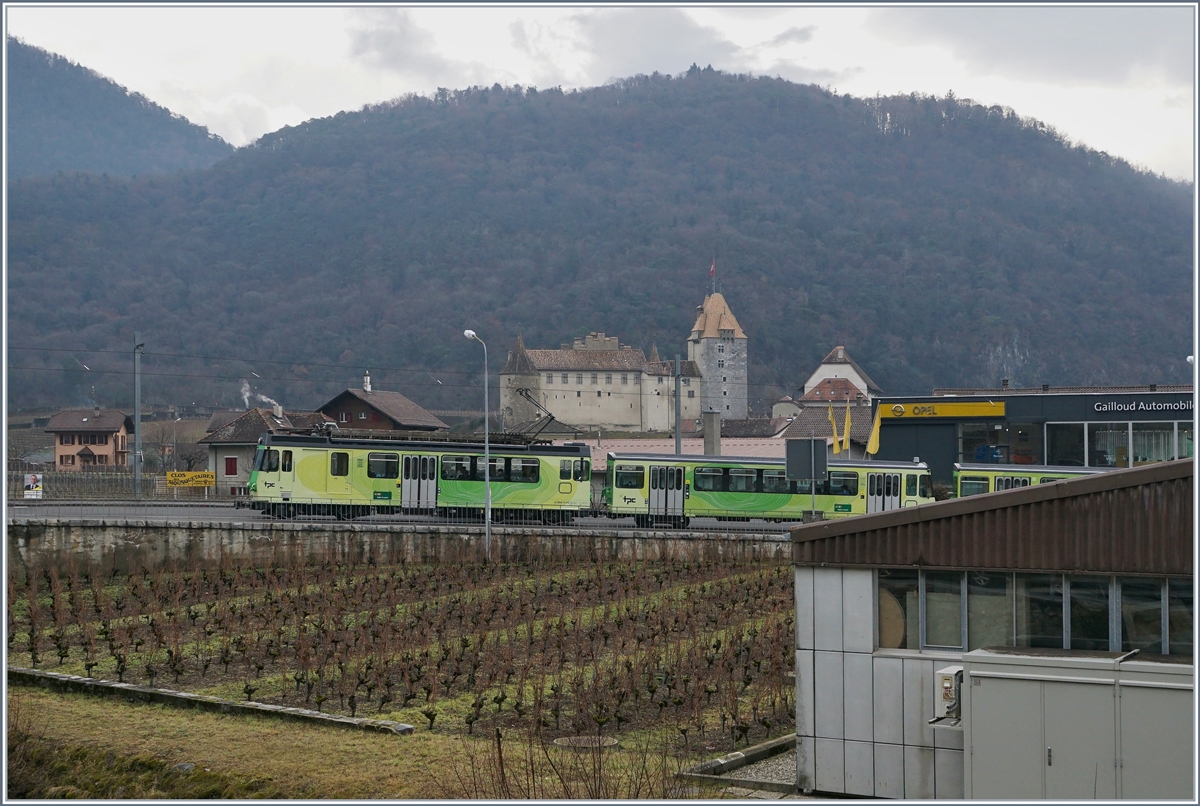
(390, 39)
(628, 41)
(1054, 45)
(796, 36)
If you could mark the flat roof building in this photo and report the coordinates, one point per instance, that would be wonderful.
(1065, 570)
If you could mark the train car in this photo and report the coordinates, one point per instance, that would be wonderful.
(670, 489)
(349, 478)
(975, 479)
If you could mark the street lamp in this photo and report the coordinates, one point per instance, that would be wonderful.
(487, 455)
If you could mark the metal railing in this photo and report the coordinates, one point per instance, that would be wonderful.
(101, 485)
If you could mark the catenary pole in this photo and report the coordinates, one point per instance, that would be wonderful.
(678, 408)
(137, 414)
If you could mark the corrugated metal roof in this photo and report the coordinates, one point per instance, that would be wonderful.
(1135, 521)
(1065, 390)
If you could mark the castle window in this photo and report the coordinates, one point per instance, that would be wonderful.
(595, 377)
(686, 382)
(721, 363)
(564, 377)
(549, 377)
(660, 380)
(579, 377)
(625, 378)
(608, 377)
(720, 348)
(691, 393)
(723, 379)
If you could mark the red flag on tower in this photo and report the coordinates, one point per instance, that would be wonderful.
(713, 271)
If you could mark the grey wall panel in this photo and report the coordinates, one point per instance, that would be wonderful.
(1007, 752)
(827, 608)
(806, 763)
(889, 771)
(918, 773)
(948, 774)
(858, 610)
(805, 715)
(860, 768)
(1157, 744)
(918, 703)
(827, 694)
(950, 739)
(857, 696)
(830, 766)
(804, 608)
(889, 700)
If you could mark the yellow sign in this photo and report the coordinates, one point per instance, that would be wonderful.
(920, 411)
(204, 478)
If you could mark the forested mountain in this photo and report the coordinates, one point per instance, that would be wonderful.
(64, 117)
(942, 242)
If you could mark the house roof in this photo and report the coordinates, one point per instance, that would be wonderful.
(403, 412)
(1132, 521)
(813, 421)
(833, 389)
(1067, 390)
(247, 427)
(221, 418)
(687, 369)
(838, 355)
(715, 317)
(108, 421)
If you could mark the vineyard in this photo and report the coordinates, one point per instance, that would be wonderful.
(698, 652)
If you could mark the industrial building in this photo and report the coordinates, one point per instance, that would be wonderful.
(1063, 612)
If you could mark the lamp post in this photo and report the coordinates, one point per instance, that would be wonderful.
(487, 455)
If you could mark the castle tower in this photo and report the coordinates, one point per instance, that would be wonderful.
(718, 346)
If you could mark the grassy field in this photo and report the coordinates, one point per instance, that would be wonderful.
(675, 660)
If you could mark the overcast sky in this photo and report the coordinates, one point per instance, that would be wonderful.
(1118, 79)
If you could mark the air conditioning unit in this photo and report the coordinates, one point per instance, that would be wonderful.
(947, 702)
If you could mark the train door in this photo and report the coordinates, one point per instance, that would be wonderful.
(666, 491)
(287, 474)
(418, 483)
(337, 484)
(883, 492)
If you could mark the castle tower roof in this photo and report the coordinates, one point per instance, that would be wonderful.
(716, 320)
(519, 362)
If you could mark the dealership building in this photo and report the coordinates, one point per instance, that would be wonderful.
(1121, 426)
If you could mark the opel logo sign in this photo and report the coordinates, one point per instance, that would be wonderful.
(898, 410)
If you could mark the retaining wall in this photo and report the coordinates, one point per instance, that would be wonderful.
(129, 545)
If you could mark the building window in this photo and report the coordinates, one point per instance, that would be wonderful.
(578, 394)
(608, 377)
(231, 466)
(579, 378)
(660, 380)
(550, 377)
(1185, 448)
(720, 348)
(599, 393)
(687, 382)
(721, 363)
(625, 378)
(595, 377)
(343, 417)
(692, 393)
(1108, 444)
(564, 378)
(1153, 442)
(362, 415)
(1064, 444)
(899, 609)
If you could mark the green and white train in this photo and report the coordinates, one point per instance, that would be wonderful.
(297, 475)
(975, 479)
(669, 489)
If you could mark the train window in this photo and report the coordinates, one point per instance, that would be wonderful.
(498, 469)
(709, 479)
(408, 467)
(287, 462)
(339, 464)
(631, 477)
(926, 486)
(888, 491)
(1003, 483)
(258, 461)
(910, 484)
(564, 470)
(741, 480)
(271, 462)
(1048, 479)
(383, 465)
(972, 485)
(583, 470)
(525, 471)
(843, 484)
(775, 481)
(456, 468)
(654, 473)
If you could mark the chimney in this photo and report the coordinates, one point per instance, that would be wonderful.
(1045, 388)
(1153, 388)
(366, 380)
(277, 410)
(1004, 383)
(97, 412)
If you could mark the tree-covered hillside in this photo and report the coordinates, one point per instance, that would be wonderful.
(64, 117)
(942, 242)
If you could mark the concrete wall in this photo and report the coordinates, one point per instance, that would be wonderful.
(639, 404)
(862, 713)
(130, 545)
